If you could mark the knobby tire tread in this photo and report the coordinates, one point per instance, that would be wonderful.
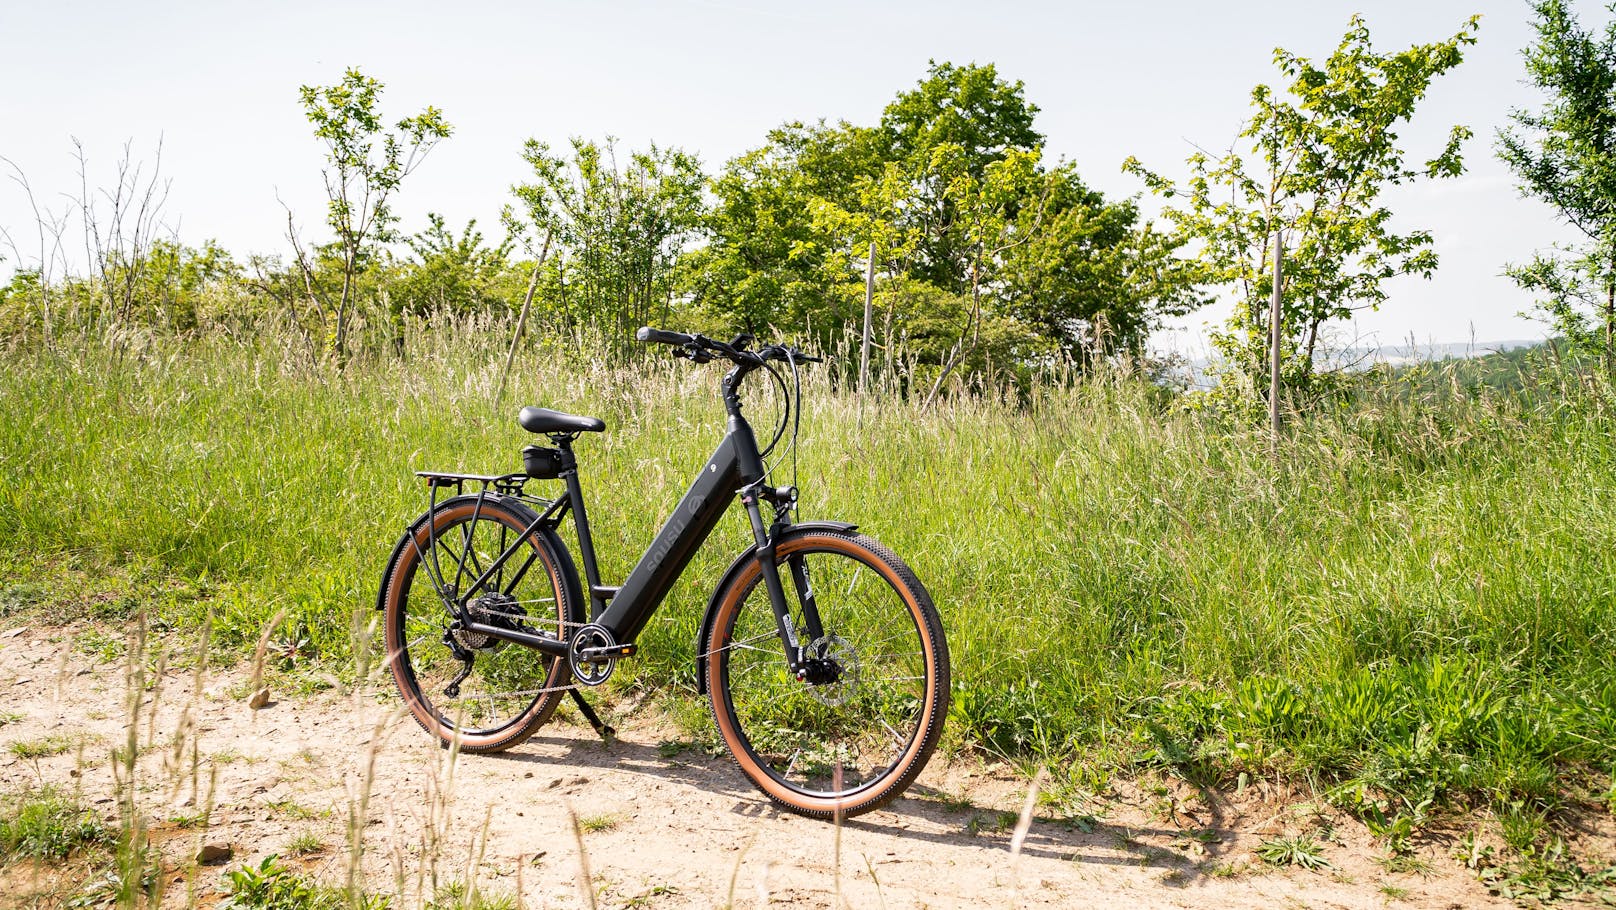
(557, 566)
(930, 626)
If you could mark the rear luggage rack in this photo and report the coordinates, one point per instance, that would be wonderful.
(505, 484)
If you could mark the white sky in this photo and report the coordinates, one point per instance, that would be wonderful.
(217, 82)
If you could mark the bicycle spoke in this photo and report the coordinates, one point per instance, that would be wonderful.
(520, 573)
(742, 643)
(459, 564)
(499, 580)
(504, 682)
(758, 650)
(863, 716)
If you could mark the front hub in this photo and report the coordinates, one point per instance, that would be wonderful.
(830, 669)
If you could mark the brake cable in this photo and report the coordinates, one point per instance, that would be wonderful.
(785, 415)
(796, 426)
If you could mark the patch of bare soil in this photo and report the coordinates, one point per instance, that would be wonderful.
(660, 826)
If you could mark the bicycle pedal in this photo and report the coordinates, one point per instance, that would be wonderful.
(614, 651)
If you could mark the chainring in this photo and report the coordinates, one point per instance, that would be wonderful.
(591, 671)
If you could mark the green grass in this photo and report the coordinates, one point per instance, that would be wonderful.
(105, 647)
(272, 886)
(46, 824)
(1414, 614)
(1303, 852)
(457, 896)
(44, 747)
(186, 820)
(598, 823)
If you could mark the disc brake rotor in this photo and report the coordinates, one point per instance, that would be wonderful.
(842, 655)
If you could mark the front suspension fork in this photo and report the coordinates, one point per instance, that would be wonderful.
(796, 651)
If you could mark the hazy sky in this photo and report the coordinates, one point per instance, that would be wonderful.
(217, 82)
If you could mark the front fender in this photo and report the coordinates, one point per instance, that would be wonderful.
(711, 615)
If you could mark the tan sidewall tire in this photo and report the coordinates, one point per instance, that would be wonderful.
(543, 706)
(930, 727)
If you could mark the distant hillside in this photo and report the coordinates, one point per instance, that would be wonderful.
(1502, 366)
(1401, 354)
(1490, 362)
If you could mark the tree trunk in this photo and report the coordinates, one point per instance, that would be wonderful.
(521, 321)
(1610, 316)
(1610, 328)
(1276, 332)
(869, 306)
(340, 341)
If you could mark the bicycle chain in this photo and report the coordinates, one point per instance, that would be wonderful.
(519, 694)
(539, 619)
(522, 693)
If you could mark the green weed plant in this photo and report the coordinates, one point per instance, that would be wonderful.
(1411, 609)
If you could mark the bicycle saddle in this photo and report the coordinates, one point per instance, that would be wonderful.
(544, 420)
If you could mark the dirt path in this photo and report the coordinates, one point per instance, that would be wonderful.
(664, 827)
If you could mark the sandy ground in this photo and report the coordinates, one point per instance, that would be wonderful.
(664, 827)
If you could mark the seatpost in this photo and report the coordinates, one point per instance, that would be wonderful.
(580, 522)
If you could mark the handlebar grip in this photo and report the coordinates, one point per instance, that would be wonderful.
(657, 336)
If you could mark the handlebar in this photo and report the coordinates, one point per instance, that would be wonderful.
(701, 349)
(657, 336)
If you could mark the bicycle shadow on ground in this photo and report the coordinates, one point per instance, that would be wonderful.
(1182, 854)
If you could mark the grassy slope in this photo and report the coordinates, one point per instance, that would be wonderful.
(1422, 604)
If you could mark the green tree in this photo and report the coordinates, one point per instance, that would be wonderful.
(177, 286)
(1564, 153)
(981, 119)
(1017, 257)
(1089, 277)
(366, 163)
(449, 273)
(1317, 158)
(618, 230)
(773, 257)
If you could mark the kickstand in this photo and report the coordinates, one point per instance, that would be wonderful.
(606, 733)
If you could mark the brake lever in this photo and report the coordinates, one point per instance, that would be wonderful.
(797, 356)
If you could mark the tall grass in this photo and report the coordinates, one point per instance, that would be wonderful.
(1415, 609)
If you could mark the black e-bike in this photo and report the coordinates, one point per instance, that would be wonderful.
(820, 650)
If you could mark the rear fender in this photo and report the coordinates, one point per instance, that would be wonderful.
(547, 536)
(730, 574)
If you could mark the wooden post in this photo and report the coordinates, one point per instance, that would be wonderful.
(521, 321)
(1276, 319)
(869, 309)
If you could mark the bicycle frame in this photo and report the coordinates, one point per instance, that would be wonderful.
(734, 469)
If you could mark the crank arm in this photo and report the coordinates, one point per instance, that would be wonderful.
(602, 653)
(544, 643)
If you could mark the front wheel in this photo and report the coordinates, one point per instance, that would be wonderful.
(858, 730)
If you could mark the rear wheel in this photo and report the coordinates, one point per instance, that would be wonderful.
(498, 698)
(859, 729)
